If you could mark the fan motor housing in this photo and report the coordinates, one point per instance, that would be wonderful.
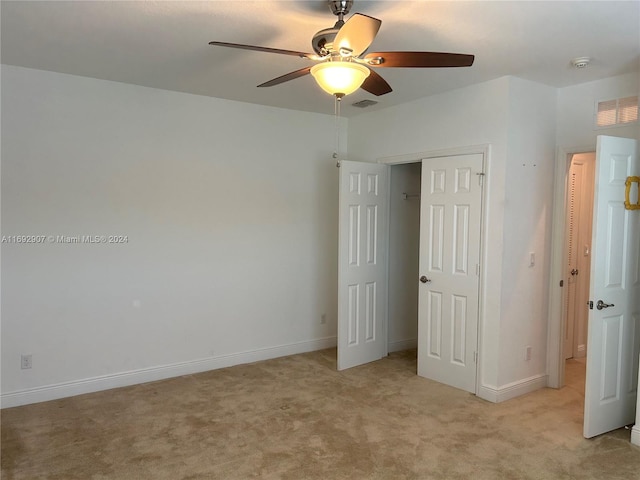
(323, 40)
(340, 7)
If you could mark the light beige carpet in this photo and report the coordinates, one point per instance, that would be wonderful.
(298, 418)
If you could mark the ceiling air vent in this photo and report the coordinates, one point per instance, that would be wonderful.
(364, 103)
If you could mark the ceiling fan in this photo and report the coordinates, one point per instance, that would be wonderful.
(344, 64)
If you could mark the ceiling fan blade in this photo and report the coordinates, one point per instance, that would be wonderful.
(285, 78)
(375, 84)
(419, 59)
(265, 49)
(357, 34)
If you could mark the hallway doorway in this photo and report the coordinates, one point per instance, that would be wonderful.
(579, 219)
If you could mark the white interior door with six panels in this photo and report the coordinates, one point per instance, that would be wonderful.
(613, 342)
(362, 263)
(450, 219)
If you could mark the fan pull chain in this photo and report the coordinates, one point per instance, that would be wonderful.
(336, 112)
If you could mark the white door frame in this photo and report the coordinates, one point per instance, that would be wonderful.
(485, 151)
(557, 316)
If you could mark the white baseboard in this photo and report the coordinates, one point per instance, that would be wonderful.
(403, 345)
(635, 435)
(95, 384)
(512, 390)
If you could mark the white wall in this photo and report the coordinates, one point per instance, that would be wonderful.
(527, 229)
(517, 119)
(230, 210)
(404, 249)
(576, 107)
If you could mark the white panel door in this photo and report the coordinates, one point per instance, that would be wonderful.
(578, 237)
(573, 220)
(614, 330)
(450, 217)
(362, 269)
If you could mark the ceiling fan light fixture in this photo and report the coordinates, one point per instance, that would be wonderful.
(339, 78)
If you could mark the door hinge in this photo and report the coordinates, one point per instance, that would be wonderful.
(477, 269)
(475, 357)
(590, 303)
(480, 177)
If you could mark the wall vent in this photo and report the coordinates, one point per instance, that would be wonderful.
(621, 111)
(364, 103)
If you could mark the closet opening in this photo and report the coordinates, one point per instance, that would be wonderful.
(404, 250)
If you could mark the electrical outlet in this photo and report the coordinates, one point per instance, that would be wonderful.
(323, 318)
(527, 353)
(26, 361)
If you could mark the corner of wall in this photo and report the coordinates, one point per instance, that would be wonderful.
(530, 131)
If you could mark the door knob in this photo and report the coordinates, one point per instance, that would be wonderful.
(424, 279)
(600, 305)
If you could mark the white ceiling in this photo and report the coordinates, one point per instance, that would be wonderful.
(164, 44)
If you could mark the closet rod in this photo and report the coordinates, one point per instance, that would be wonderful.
(406, 196)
